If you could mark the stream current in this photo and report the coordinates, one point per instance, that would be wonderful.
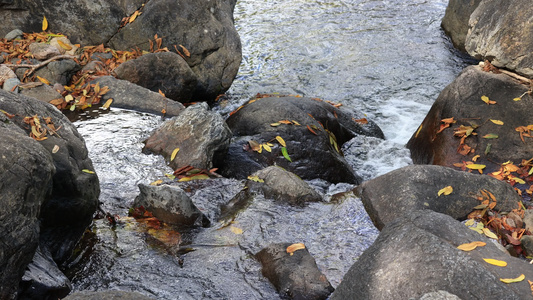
(388, 59)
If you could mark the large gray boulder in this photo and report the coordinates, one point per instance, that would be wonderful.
(198, 133)
(416, 187)
(502, 32)
(26, 171)
(417, 254)
(455, 21)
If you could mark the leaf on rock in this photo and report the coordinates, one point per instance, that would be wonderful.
(470, 222)
(235, 230)
(174, 153)
(489, 233)
(285, 154)
(281, 141)
(267, 147)
(446, 191)
(195, 177)
(157, 182)
(490, 136)
(43, 80)
(418, 131)
(487, 100)
(275, 124)
(107, 104)
(517, 99)
(294, 247)
(55, 149)
(64, 46)
(511, 280)
(497, 122)
(499, 263)
(470, 246)
(255, 146)
(362, 121)
(87, 171)
(255, 178)
(476, 166)
(45, 23)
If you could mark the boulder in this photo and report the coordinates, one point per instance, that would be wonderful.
(163, 71)
(43, 279)
(205, 29)
(198, 133)
(313, 130)
(66, 213)
(131, 96)
(501, 32)
(417, 254)
(283, 185)
(43, 92)
(294, 273)
(416, 187)
(26, 171)
(462, 100)
(59, 71)
(43, 51)
(108, 295)
(455, 21)
(170, 204)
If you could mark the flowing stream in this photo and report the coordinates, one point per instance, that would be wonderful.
(388, 59)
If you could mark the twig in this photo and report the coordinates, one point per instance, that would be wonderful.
(40, 65)
(516, 76)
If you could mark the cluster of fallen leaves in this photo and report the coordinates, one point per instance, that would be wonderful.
(267, 146)
(157, 229)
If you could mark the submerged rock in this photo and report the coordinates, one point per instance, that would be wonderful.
(417, 254)
(294, 273)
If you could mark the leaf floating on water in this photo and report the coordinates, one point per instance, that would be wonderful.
(281, 141)
(174, 153)
(235, 230)
(55, 149)
(45, 23)
(107, 104)
(499, 263)
(489, 233)
(294, 247)
(512, 280)
(497, 122)
(255, 178)
(470, 246)
(285, 154)
(446, 191)
(157, 182)
(87, 171)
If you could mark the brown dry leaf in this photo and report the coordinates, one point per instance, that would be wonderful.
(499, 263)
(511, 280)
(361, 121)
(162, 94)
(295, 247)
(446, 191)
(255, 146)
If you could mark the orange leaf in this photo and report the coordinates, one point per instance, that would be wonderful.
(295, 247)
(63, 45)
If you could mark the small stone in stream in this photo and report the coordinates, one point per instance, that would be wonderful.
(13, 34)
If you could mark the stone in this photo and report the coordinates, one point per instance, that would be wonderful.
(108, 295)
(169, 204)
(164, 71)
(64, 49)
(59, 71)
(6, 73)
(13, 34)
(131, 96)
(528, 220)
(43, 92)
(296, 275)
(43, 279)
(11, 85)
(198, 133)
(43, 51)
(26, 171)
(416, 187)
(455, 21)
(417, 254)
(462, 100)
(67, 212)
(312, 151)
(527, 244)
(501, 32)
(283, 185)
(439, 295)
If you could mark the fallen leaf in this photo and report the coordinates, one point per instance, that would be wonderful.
(489, 233)
(235, 230)
(285, 154)
(157, 182)
(418, 131)
(517, 99)
(174, 153)
(312, 131)
(361, 121)
(511, 280)
(162, 94)
(64, 46)
(475, 157)
(497, 122)
(45, 23)
(255, 146)
(499, 263)
(134, 16)
(267, 147)
(294, 247)
(195, 177)
(475, 166)
(470, 222)
(55, 149)
(490, 136)
(275, 124)
(255, 178)
(107, 104)
(281, 141)
(69, 98)
(185, 51)
(87, 171)
(296, 123)
(446, 191)
(486, 100)
(470, 246)
(43, 80)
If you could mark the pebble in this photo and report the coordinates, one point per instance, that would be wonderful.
(11, 83)
(13, 34)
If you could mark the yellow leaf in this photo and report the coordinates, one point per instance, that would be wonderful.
(485, 99)
(511, 280)
(517, 99)
(69, 98)
(489, 233)
(235, 230)
(470, 222)
(55, 149)
(281, 141)
(446, 191)
(499, 263)
(64, 46)
(296, 123)
(174, 153)
(107, 104)
(134, 16)
(295, 247)
(255, 178)
(497, 122)
(275, 124)
(195, 177)
(162, 94)
(470, 246)
(475, 157)
(418, 131)
(43, 80)
(267, 147)
(87, 171)
(475, 166)
(157, 182)
(45, 23)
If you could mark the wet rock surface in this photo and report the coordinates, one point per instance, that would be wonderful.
(455, 21)
(293, 273)
(108, 295)
(416, 254)
(416, 187)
